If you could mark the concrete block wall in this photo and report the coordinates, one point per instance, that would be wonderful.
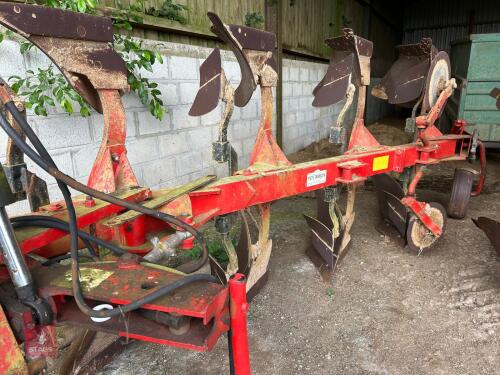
(178, 148)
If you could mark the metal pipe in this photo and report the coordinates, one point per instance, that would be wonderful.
(12, 255)
(167, 246)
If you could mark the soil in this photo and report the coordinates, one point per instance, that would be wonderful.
(386, 311)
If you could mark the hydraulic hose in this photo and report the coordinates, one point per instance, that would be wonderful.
(44, 160)
(52, 222)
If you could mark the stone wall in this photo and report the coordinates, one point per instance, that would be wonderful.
(178, 148)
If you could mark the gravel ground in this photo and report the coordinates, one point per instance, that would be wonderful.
(386, 311)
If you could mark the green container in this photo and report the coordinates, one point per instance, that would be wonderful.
(475, 64)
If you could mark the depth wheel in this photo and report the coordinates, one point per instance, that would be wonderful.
(460, 192)
(418, 237)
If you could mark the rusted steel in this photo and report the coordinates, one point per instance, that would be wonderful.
(254, 49)
(492, 230)
(36, 190)
(254, 39)
(77, 43)
(404, 83)
(49, 22)
(22, 182)
(14, 158)
(333, 87)
(209, 92)
(362, 50)
(247, 84)
(384, 183)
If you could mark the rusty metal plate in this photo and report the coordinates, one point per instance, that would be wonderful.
(49, 22)
(361, 48)
(323, 209)
(351, 42)
(209, 92)
(322, 241)
(492, 230)
(333, 87)
(424, 48)
(404, 81)
(107, 282)
(254, 39)
(385, 183)
(397, 213)
(77, 43)
(247, 85)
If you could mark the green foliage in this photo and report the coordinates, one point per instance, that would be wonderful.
(34, 87)
(215, 249)
(169, 10)
(254, 19)
(330, 292)
(82, 6)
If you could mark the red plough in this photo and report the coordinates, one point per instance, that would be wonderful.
(133, 295)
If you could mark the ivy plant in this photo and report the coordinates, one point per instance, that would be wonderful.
(254, 19)
(169, 10)
(45, 88)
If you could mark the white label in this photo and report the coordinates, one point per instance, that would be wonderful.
(315, 178)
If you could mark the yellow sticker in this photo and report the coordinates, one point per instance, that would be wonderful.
(90, 278)
(380, 162)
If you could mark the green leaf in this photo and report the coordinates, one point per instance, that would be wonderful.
(40, 110)
(67, 106)
(24, 47)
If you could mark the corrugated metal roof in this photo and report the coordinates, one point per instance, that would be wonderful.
(448, 20)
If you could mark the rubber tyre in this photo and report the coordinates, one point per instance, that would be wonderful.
(460, 192)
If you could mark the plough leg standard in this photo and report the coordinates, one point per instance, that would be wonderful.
(132, 294)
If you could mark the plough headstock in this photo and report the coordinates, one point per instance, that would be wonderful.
(90, 64)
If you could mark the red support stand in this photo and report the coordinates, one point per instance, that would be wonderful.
(239, 337)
